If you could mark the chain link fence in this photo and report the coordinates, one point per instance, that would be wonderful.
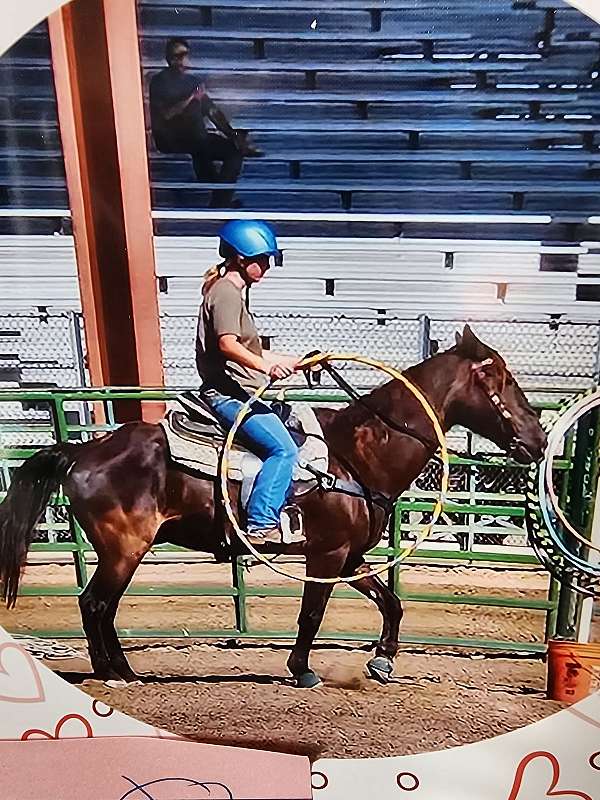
(546, 357)
(39, 351)
(543, 356)
(486, 497)
(48, 349)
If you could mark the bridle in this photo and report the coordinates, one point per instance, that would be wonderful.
(494, 397)
(498, 403)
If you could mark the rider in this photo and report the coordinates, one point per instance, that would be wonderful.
(232, 365)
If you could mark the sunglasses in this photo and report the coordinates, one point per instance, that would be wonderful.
(180, 54)
(267, 261)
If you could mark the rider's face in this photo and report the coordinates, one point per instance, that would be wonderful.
(256, 267)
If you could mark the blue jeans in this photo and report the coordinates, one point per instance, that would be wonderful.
(265, 435)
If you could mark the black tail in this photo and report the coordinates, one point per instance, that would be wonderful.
(30, 490)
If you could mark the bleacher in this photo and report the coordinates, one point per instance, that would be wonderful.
(373, 116)
(398, 107)
(32, 174)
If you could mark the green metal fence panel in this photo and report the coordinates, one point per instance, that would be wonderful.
(485, 509)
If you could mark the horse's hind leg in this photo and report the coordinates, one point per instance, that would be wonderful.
(381, 665)
(122, 572)
(99, 603)
(123, 543)
(94, 602)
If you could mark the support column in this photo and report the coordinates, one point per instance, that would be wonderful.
(97, 74)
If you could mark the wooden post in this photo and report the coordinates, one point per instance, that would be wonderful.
(96, 61)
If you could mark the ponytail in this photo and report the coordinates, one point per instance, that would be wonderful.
(211, 276)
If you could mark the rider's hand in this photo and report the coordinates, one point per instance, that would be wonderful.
(282, 368)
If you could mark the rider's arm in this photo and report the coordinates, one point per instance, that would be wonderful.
(170, 111)
(169, 99)
(226, 305)
(275, 366)
(234, 350)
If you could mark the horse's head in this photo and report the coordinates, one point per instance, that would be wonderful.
(490, 402)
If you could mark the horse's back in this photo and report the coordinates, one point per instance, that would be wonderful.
(131, 461)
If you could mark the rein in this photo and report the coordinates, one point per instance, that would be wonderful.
(494, 397)
(430, 444)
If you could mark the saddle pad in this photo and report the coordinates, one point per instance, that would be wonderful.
(202, 453)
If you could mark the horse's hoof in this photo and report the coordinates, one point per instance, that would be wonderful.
(380, 668)
(121, 683)
(121, 671)
(130, 678)
(115, 683)
(308, 680)
(121, 678)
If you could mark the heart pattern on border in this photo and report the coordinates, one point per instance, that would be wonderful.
(31, 669)
(551, 791)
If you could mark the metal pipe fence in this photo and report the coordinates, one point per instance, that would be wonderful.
(485, 512)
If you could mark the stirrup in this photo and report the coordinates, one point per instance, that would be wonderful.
(292, 525)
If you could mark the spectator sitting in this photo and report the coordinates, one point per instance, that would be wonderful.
(179, 105)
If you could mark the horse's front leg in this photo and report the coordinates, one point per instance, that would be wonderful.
(381, 665)
(314, 602)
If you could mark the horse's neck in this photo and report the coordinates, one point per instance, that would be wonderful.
(382, 458)
(438, 378)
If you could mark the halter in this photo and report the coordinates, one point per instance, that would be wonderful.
(494, 397)
(498, 403)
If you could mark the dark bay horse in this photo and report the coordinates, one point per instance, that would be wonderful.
(128, 496)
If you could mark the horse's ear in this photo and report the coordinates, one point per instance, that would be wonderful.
(458, 338)
(471, 346)
(468, 333)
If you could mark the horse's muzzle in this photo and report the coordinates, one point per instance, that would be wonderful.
(524, 452)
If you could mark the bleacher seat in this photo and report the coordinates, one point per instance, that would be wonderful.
(292, 20)
(569, 23)
(548, 202)
(25, 138)
(436, 201)
(521, 25)
(31, 164)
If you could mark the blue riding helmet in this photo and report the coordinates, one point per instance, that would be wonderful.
(249, 237)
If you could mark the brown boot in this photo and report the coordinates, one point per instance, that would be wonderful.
(258, 536)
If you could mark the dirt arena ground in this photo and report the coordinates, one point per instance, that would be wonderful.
(239, 692)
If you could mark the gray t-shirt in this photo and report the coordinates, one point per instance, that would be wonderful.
(224, 311)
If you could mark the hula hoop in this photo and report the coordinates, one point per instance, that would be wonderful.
(555, 439)
(539, 478)
(439, 505)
